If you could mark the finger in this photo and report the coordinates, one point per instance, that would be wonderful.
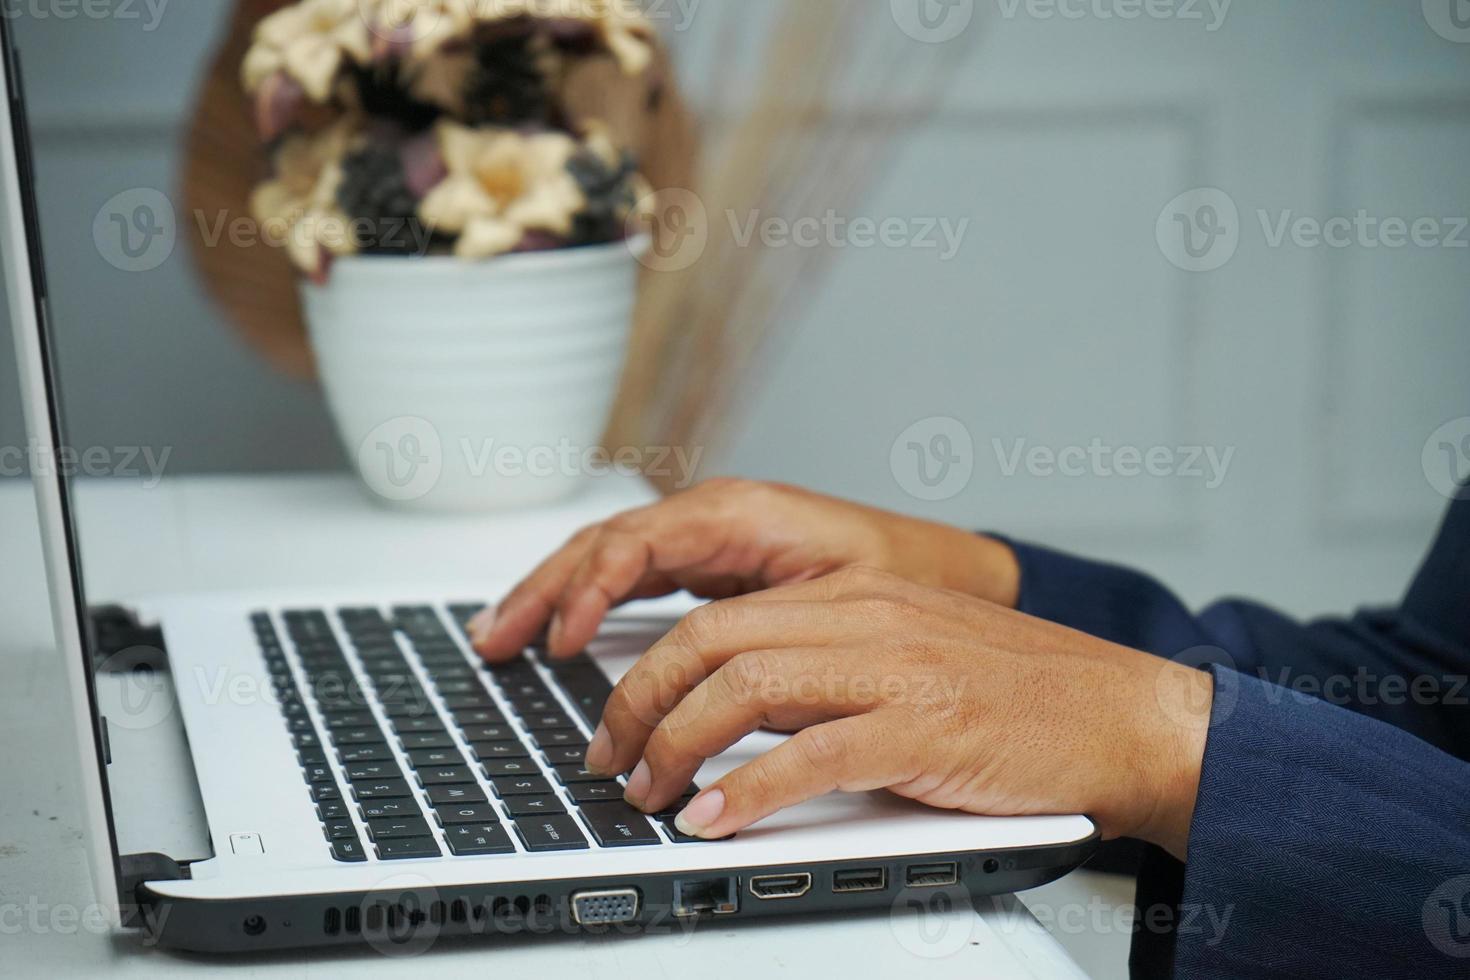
(850, 754)
(680, 538)
(693, 650)
(739, 698)
(507, 629)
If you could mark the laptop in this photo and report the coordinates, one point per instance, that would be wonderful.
(335, 770)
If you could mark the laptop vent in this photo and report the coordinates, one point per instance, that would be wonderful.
(399, 918)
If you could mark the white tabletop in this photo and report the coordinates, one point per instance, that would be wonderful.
(323, 532)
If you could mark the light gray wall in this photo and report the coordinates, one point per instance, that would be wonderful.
(1059, 321)
(146, 358)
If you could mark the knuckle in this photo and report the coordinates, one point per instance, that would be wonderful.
(706, 623)
(747, 673)
(821, 746)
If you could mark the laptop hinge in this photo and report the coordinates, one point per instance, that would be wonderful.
(136, 869)
(120, 642)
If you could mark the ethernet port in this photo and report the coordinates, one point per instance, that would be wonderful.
(704, 896)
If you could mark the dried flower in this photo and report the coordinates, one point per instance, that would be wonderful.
(502, 185)
(298, 208)
(309, 41)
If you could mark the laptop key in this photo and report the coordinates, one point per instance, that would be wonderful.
(468, 840)
(557, 832)
(392, 827)
(508, 786)
(605, 791)
(340, 830)
(427, 740)
(485, 751)
(420, 758)
(336, 810)
(558, 736)
(378, 752)
(546, 720)
(479, 716)
(509, 767)
(373, 771)
(403, 848)
(468, 813)
(570, 774)
(325, 792)
(422, 723)
(618, 825)
(446, 775)
(348, 850)
(567, 754)
(458, 793)
(382, 789)
(384, 809)
(529, 806)
(501, 732)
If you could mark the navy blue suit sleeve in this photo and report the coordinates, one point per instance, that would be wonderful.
(1324, 843)
(1332, 833)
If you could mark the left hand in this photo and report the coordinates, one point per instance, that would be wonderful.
(930, 694)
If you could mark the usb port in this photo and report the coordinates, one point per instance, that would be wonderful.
(932, 875)
(860, 880)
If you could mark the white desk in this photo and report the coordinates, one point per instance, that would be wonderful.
(322, 532)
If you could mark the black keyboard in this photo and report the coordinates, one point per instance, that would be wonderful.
(411, 746)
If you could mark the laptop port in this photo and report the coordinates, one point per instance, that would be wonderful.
(860, 880)
(770, 887)
(605, 907)
(932, 875)
(720, 896)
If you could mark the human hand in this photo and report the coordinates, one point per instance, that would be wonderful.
(726, 538)
(930, 694)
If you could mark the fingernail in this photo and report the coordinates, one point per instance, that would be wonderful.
(638, 784)
(599, 753)
(480, 626)
(553, 634)
(701, 813)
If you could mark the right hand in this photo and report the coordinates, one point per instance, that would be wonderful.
(726, 538)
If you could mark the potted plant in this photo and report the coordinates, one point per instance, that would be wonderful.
(467, 248)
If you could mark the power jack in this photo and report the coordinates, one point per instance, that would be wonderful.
(255, 925)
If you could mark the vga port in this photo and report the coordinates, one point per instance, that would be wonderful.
(600, 908)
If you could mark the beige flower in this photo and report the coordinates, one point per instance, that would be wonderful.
(420, 26)
(298, 208)
(501, 184)
(309, 40)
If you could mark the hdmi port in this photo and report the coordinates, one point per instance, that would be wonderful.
(770, 887)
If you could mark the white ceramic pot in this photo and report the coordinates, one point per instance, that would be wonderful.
(471, 386)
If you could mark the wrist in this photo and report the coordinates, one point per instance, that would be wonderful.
(1173, 731)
